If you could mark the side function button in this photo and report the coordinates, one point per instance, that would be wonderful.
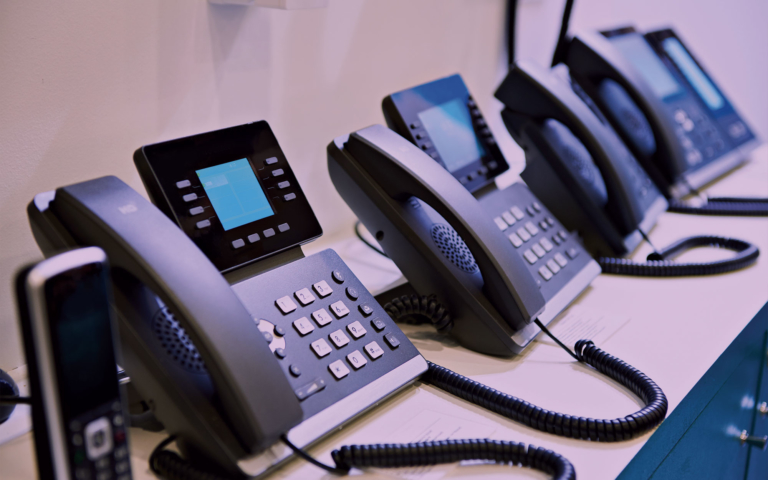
(500, 223)
(190, 197)
(304, 296)
(203, 224)
(356, 329)
(560, 259)
(530, 211)
(283, 227)
(508, 217)
(271, 161)
(365, 309)
(356, 359)
(545, 273)
(285, 304)
(321, 317)
(517, 212)
(352, 293)
(544, 242)
(295, 371)
(322, 288)
(183, 184)
(572, 253)
(196, 211)
(239, 243)
(538, 250)
(338, 369)
(338, 338)
(563, 235)
(289, 197)
(544, 225)
(320, 347)
(338, 277)
(378, 324)
(552, 264)
(283, 185)
(373, 350)
(310, 389)
(254, 238)
(277, 172)
(339, 309)
(531, 228)
(536, 206)
(392, 341)
(270, 232)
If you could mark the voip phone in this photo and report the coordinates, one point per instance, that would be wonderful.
(444, 121)
(582, 171)
(674, 118)
(236, 347)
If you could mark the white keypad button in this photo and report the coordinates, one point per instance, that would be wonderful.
(321, 347)
(303, 326)
(304, 296)
(322, 288)
(553, 266)
(560, 259)
(509, 218)
(500, 223)
(544, 242)
(339, 309)
(538, 250)
(356, 329)
(530, 256)
(339, 339)
(532, 229)
(524, 235)
(373, 350)
(338, 369)
(515, 239)
(322, 317)
(356, 359)
(517, 212)
(545, 273)
(285, 304)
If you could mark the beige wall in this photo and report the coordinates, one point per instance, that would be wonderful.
(83, 84)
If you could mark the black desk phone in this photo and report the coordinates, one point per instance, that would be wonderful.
(295, 345)
(669, 111)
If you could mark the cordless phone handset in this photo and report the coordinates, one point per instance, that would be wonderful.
(140, 239)
(404, 171)
(532, 90)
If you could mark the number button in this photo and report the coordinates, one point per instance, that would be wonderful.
(320, 347)
(305, 297)
(321, 317)
(339, 339)
(285, 304)
(303, 326)
(338, 369)
(339, 309)
(356, 359)
(356, 329)
(373, 350)
(322, 288)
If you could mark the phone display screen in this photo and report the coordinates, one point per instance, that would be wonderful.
(79, 314)
(695, 75)
(636, 49)
(449, 125)
(235, 193)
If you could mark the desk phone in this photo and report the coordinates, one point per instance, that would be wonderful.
(295, 346)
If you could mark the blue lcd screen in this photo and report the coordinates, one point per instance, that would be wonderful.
(636, 49)
(450, 128)
(693, 73)
(235, 193)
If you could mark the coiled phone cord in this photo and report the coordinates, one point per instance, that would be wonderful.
(658, 265)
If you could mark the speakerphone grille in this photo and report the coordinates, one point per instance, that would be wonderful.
(176, 342)
(453, 247)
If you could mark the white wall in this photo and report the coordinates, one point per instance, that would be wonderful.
(83, 84)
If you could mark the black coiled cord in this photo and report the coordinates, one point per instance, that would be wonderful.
(728, 206)
(658, 266)
(412, 309)
(449, 451)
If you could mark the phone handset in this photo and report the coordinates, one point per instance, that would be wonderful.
(532, 90)
(403, 171)
(255, 396)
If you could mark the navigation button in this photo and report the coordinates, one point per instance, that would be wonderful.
(196, 211)
(278, 172)
(239, 243)
(203, 224)
(321, 347)
(289, 197)
(321, 317)
(283, 227)
(270, 232)
(283, 185)
(356, 359)
(285, 304)
(254, 238)
(190, 197)
(338, 369)
(271, 161)
(183, 184)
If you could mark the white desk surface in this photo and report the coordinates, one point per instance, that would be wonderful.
(678, 327)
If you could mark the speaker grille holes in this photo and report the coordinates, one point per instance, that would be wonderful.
(176, 342)
(453, 247)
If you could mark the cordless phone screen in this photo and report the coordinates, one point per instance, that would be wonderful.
(636, 49)
(79, 313)
(450, 127)
(235, 194)
(697, 78)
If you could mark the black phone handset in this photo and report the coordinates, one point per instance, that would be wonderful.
(571, 152)
(144, 244)
(682, 129)
(402, 169)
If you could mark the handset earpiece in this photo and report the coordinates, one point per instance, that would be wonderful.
(576, 158)
(627, 116)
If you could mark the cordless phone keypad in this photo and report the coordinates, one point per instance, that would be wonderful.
(99, 448)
